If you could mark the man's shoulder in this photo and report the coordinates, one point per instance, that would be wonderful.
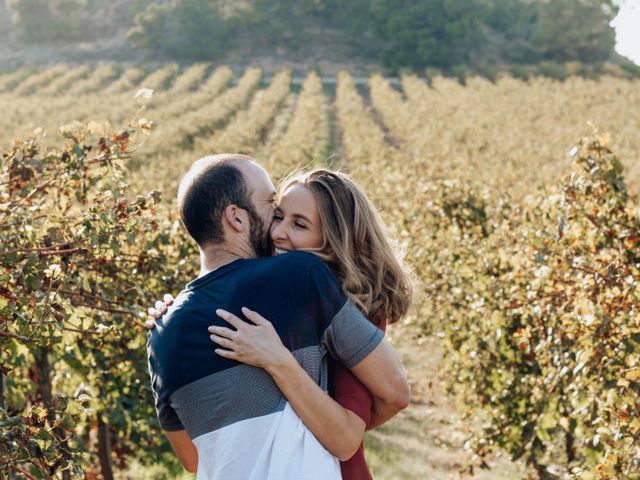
(302, 274)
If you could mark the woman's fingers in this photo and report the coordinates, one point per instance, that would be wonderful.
(223, 332)
(231, 318)
(150, 324)
(156, 312)
(160, 307)
(230, 354)
(255, 317)
(222, 341)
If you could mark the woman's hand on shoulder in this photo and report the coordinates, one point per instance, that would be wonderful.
(159, 309)
(256, 343)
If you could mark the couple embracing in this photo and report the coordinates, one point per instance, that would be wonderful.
(272, 364)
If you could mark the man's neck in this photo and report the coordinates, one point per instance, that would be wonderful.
(216, 256)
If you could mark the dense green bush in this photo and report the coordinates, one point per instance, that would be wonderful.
(537, 304)
(80, 261)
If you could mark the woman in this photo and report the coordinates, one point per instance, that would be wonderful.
(326, 213)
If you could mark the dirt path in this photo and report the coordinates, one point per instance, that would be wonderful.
(426, 440)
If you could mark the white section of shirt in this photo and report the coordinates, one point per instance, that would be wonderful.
(272, 447)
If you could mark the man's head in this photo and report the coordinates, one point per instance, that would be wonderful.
(228, 199)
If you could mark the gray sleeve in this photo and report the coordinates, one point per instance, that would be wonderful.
(350, 337)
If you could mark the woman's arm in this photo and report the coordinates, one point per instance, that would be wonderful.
(382, 373)
(338, 429)
(185, 449)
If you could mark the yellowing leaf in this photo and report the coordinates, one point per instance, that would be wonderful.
(623, 383)
(633, 375)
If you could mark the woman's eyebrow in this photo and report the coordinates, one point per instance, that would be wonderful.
(302, 217)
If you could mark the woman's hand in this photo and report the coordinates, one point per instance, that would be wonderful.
(159, 309)
(256, 344)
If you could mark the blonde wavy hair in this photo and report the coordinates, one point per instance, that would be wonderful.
(356, 246)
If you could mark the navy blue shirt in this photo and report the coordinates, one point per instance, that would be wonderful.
(203, 392)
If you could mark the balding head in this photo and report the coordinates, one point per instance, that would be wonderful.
(211, 184)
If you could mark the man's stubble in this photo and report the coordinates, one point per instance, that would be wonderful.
(259, 235)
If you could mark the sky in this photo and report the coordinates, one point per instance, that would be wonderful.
(627, 25)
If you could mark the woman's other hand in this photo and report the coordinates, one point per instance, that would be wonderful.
(256, 343)
(159, 309)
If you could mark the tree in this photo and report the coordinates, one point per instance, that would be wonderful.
(42, 21)
(428, 33)
(574, 30)
(511, 22)
(185, 29)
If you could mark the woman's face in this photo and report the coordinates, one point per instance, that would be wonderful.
(296, 223)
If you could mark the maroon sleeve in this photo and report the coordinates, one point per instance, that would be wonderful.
(350, 392)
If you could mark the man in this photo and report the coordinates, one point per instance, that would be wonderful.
(228, 420)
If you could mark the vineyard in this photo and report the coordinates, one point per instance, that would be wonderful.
(516, 202)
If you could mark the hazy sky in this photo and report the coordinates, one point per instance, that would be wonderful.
(627, 25)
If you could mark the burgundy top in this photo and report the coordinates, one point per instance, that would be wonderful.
(349, 392)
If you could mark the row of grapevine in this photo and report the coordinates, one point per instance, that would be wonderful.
(537, 305)
(479, 130)
(166, 111)
(247, 128)
(61, 84)
(164, 108)
(190, 79)
(101, 76)
(160, 79)
(305, 141)
(8, 81)
(456, 130)
(397, 114)
(39, 79)
(206, 119)
(129, 79)
(365, 146)
(82, 256)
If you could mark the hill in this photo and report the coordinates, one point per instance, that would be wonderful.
(457, 37)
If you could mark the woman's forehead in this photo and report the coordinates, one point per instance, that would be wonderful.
(298, 196)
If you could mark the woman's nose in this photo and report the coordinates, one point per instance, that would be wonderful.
(278, 232)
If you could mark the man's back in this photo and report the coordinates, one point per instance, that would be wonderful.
(240, 422)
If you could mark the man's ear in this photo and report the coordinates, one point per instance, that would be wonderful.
(236, 218)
